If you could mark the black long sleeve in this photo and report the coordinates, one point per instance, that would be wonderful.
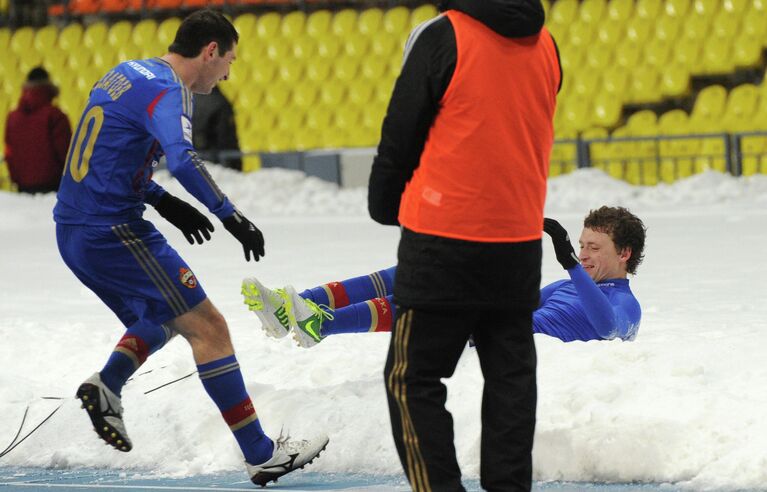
(428, 68)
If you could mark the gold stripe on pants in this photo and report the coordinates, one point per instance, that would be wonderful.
(417, 473)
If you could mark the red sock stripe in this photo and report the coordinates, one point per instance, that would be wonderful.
(240, 415)
(383, 309)
(338, 291)
(134, 347)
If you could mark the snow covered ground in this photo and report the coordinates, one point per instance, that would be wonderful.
(684, 403)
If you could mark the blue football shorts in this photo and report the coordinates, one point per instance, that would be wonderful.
(132, 268)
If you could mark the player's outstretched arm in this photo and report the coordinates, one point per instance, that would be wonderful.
(562, 247)
(247, 234)
(193, 224)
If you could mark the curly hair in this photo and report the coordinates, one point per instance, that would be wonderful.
(624, 228)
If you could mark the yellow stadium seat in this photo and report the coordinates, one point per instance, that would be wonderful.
(317, 70)
(396, 21)
(345, 69)
(725, 25)
(21, 40)
(606, 112)
(304, 95)
(9, 67)
(558, 31)
(627, 55)
(424, 13)
(307, 140)
(290, 119)
(344, 22)
(644, 86)
(741, 103)
(277, 50)
(686, 53)
(279, 140)
(705, 8)
(677, 8)
(245, 25)
(747, 52)
(318, 118)
(609, 33)
(717, 56)
(303, 47)
(328, 47)
(276, 96)
(643, 123)
(580, 34)
(620, 10)
(331, 95)
(356, 45)
(268, 26)
(615, 81)
(586, 83)
(372, 68)
(45, 38)
(264, 73)
(735, 6)
(129, 52)
(144, 33)
(638, 29)
(290, 72)
(564, 11)
(598, 59)
(383, 46)
(667, 28)
(318, 23)
(359, 93)
(346, 117)
(5, 37)
(656, 53)
(648, 9)
(592, 11)
(755, 23)
(675, 81)
(576, 115)
(292, 24)
(104, 59)
(570, 58)
(79, 59)
(369, 21)
(696, 27)
(95, 35)
(249, 100)
(166, 31)
(119, 33)
(709, 108)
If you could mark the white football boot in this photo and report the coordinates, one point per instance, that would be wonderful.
(271, 307)
(288, 455)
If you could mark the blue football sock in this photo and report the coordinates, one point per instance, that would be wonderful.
(139, 342)
(222, 380)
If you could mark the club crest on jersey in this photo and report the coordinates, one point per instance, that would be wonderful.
(187, 278)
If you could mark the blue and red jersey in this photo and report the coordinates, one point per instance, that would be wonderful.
(138, 111)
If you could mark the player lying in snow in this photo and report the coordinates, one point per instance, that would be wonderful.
(595, 304)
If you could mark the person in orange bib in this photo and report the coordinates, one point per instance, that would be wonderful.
(462, 167)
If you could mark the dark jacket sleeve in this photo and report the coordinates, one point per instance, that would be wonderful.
(427, 70)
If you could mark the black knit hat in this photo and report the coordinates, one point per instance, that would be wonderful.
(38, 74)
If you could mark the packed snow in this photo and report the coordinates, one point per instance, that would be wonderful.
(684, 403)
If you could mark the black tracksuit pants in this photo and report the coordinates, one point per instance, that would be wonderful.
(425, 347)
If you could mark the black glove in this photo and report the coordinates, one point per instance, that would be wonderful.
(248, 234)
(192, 223)
(565, 253)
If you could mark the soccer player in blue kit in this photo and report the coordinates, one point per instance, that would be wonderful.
(139, 110)
(596, 303)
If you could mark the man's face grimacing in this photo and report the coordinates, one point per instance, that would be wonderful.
(214, 69)
(599, 257)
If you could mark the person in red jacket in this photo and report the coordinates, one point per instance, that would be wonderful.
(37, 135)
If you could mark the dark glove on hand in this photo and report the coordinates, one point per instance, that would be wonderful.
(192, 223)
(565, 253)
(248, 234)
